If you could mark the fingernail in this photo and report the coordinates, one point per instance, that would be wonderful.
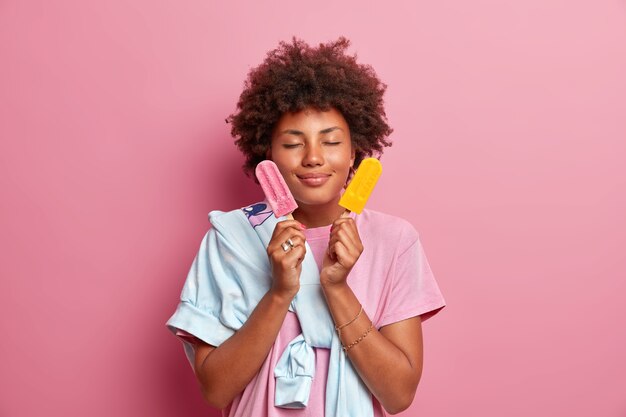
(303, 227)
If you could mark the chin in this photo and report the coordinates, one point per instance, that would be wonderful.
(317, 200)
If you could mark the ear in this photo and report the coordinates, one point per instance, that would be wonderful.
(268, 153)
(352, 158)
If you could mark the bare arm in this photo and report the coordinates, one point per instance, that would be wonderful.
(388, 361)
(224, 371)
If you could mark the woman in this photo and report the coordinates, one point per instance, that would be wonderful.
(316, 113)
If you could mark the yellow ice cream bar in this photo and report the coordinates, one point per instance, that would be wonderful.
(362, 185)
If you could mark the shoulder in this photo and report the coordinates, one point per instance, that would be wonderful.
(383, 226)
(236, 217)
(386, 223)
(219, 216)
(232, 226)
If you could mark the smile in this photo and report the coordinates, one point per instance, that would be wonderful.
(314, 180)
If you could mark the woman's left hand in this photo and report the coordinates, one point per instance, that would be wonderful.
(344, 249)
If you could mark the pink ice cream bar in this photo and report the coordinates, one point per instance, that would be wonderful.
(276, 191)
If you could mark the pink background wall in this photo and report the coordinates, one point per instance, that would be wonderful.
(510, 142)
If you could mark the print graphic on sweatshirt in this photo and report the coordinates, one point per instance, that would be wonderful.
(257, 213)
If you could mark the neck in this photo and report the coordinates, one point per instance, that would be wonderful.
(318, 215)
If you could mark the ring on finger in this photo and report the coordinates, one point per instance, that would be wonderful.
(287, 245)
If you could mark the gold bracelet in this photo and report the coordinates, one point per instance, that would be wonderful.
(346, 348)
(338, 328)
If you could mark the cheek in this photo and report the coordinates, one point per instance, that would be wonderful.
(340, 161)
(282, 159)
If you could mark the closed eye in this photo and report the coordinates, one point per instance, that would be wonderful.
(289, 146)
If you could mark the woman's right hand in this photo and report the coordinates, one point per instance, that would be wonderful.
(286, 266)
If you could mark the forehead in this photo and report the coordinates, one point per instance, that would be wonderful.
(312, 118)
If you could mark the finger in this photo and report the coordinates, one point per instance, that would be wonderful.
(297, 240)
(346, 234)
(289, 233)
(294, 257)
(344, 224)
(338, 243)
(286, 242)
(292, 242)
(282, 237)
(342, 255)
(350, 237)
(299, 252)
(282, 225)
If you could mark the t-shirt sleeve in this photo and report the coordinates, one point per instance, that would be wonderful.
(414, 290)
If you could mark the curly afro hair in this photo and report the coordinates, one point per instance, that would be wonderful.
(295, 76)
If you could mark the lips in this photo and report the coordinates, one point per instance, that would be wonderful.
(314, 179)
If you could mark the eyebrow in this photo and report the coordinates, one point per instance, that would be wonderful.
(300, 133)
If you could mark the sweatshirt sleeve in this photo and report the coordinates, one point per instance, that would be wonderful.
(197, 313)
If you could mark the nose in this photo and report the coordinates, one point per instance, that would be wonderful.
(313, 156)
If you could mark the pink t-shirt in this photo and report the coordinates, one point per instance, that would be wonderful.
(396, 284)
